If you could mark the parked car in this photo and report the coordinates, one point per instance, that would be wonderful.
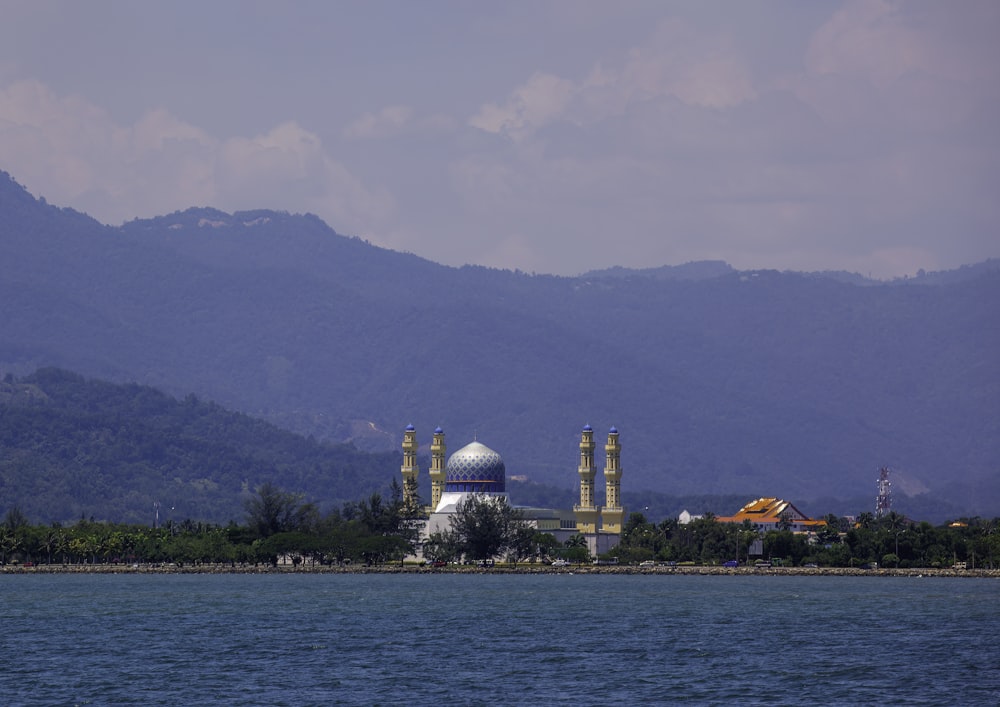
(647, 563)
(560, 563)
(731, 563)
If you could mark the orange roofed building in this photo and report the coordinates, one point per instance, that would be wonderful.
(768, 513)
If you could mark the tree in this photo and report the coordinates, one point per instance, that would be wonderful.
(486, 526)
(275, 511)
(395, 522)
(547, 544)
(524, 542)
(829, 532)
(785, 544)
(575, 549)
(15, 518)
(414, 508)
(442, 547)
(894, 521)
(640, 539)
(8, 542)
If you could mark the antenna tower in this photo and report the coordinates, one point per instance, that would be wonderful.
(883, 502)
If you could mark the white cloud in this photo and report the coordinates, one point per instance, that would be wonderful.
(677, 61)
(854, 134)
(71, 152)
(882, 61)
(850, 154)
(882, 41)
(695, 67)
(541, 99)
(398, 121)
(866, 38)
(388, 122)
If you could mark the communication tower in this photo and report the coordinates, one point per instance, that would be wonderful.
(883, 502)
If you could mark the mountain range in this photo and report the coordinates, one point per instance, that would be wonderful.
(721, 381)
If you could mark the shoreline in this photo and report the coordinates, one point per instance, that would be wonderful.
(144, 569)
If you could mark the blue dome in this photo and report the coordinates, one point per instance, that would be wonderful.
(588, 428)
(475, 468)
(409, 428)
(438, 430)
(614, 430)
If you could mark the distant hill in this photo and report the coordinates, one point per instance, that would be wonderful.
(75, 448)
(72, 447)
(722, 382)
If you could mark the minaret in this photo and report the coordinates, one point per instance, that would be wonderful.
(586, 512)
(410, 469)
(437, 468)
(612, 513)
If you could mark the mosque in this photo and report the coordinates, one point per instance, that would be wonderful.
(477, 469)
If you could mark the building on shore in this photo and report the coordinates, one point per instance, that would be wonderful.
(771, 513)
(477, 469)
(686, 517)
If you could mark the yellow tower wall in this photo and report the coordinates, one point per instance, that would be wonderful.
(586, 512)
(613, 514)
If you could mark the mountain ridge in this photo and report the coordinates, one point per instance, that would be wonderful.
(757, 382)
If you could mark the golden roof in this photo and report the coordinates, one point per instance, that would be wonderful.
(770, 510)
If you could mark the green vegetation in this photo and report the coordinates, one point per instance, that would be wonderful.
(74, 448)
(372, 531)
(110, 471)
(377, 530)
(483, 528)
(891, 541)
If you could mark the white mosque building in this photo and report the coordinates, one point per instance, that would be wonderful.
(477, 469)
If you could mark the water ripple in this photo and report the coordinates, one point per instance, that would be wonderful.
(483, 639)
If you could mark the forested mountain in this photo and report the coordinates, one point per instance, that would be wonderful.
(72, 447)
(721, 382)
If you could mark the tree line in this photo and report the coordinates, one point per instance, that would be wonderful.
(280, 525)
(890, 541)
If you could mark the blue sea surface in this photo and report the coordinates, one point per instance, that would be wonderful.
(437, 638)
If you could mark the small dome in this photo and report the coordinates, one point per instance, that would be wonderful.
(475, 468)
(438, 431)
(613, 430)
(410, 428)
(588, 428)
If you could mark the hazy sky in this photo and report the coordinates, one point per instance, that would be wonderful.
(549, 135)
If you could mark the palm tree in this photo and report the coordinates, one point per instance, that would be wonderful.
(8, 541)
(49, 544)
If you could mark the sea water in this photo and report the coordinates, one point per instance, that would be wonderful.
(437, 638)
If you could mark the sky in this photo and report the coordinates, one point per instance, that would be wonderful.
(549, 136)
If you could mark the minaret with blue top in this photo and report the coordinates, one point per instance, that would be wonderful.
(612, 514)
(437, 472)
(410, 470)
(586, 512)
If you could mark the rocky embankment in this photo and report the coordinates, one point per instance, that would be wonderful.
(496, 569)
